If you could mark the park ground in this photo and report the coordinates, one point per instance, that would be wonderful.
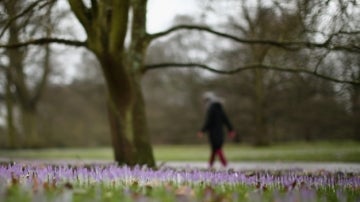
(344, 155)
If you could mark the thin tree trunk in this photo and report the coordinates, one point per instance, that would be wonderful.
(27, 98)
(260, 116)
(355, 99)
(261, 132)
(30, 127)
(9, 114)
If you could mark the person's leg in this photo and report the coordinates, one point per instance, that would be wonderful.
(221, 155)
(212, 158)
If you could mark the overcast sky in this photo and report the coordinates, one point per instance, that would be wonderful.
(161, 13)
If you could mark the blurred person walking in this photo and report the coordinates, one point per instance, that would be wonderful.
(214, 123)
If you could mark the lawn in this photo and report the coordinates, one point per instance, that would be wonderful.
(313, 152)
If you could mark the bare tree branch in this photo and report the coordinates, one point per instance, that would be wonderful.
(290, 45)
(320, 60)
(249, 67)
(25, 11)
(355, 32)
(43, 41)
(81, 12)
(118, 25)
(94, 7)
(42, 83)
(2, 67)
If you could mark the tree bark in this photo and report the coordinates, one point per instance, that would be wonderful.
(130, 138)
(126, 112)
(261, 131)
(261, 135)
(30, 127)
(9, 112)
(355, 102)
(142, 139)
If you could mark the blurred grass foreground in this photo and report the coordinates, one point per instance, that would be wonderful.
(312, 152)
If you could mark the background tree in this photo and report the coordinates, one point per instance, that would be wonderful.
(80, 121)
(290, 21)
(24, 84)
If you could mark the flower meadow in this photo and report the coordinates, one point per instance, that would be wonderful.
(22, 182)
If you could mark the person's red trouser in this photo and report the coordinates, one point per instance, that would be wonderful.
(220, 153)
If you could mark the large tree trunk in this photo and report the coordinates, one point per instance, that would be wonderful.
(126, 112)
(142, 138)
(129, 134)
(106, 25)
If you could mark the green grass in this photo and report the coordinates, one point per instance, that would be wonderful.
(319, 151)
(171, 192)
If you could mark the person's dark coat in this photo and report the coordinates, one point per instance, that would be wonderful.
(214, 125)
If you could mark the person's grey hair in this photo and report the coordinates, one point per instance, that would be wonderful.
(211, 97)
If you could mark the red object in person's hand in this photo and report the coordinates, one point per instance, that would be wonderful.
(200, 134)
(231, 134)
